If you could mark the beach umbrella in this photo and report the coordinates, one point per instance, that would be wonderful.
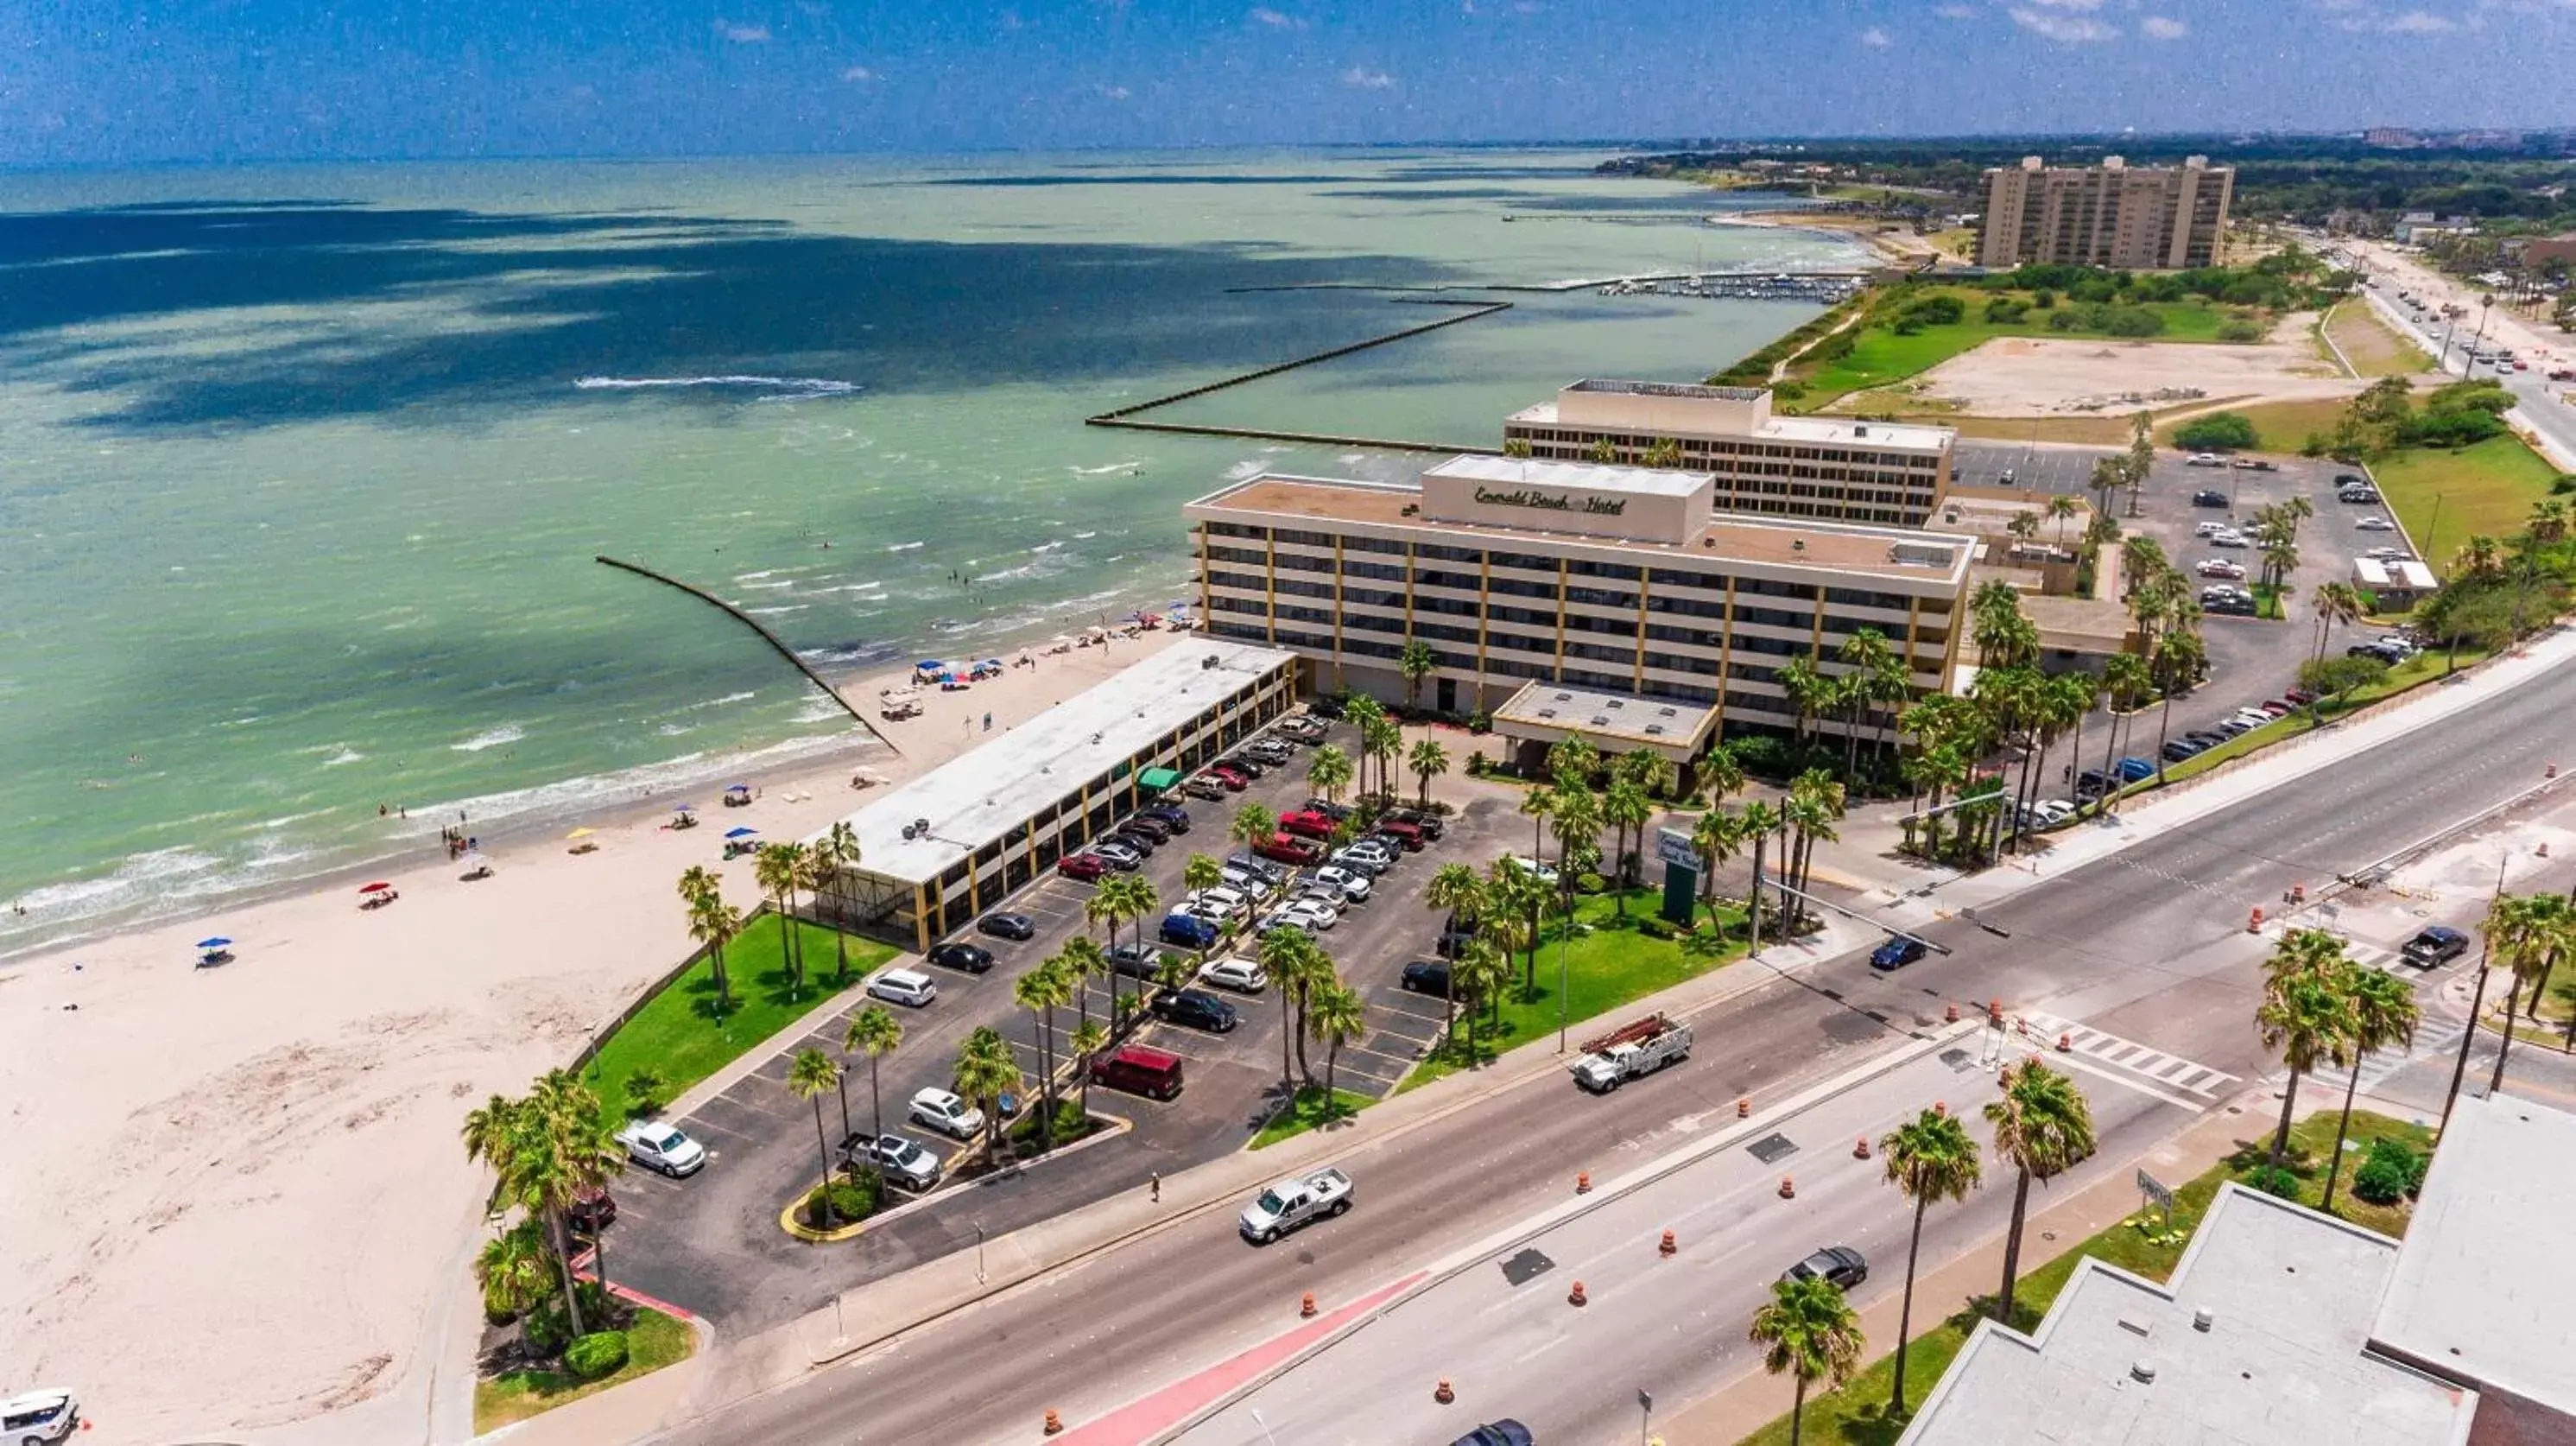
(580, 833)
(216, 943)
(684, 808)
(378, 887)
(740, 832)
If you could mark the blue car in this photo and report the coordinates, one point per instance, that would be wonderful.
(2133, 769)
(1188, 932)
(1897, 952)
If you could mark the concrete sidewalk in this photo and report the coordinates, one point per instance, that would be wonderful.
(2053, 1228)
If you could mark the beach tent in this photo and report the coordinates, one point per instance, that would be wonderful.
(684, 808)
(213, 951)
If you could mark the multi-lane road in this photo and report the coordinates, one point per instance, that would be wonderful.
(2146, 947)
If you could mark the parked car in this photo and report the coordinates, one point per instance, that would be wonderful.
(1237, 877)
(1270, 874)
(1143, 843)
(1204, 787)
(1225, 780)
(1243, 976)
(1243, 763)
(1544, 873)
(904, 986)
(1326, 707)
(2207, 498)
(2436, 945)
(2299, 697)
(1836, 1265)
(1305, 728)
(1352, 884)
(2205, 529)
(1118, 855)
(940, 1110)
(2360, 496)
(662, 1148)
(1409, 836)
(1454, 938)
(901, 1159)
(1312, 917)
(1896, 953)
(959, 955)
(2229, 539)
(1135, 963)
(1368, 863)
(1087, 868)
(1148, 825)
(2253, 464)
(1427, 976)
(1505, 1432)
(2374, 523)
(2133, 769)
(1139, 1070)
(2205, 459)
(592, 1211)
(1224, 902)
(2350, 479)
(1197, 1009)
(1189, 931)
(1321, 898)
(2178, 749)
(1329, 809)
(1306, 824)
(1289, 850)
(1170, 815)
(1429, 825)
(39, 1417)
(2092, 783)
(1009, 926)
(2220, 567)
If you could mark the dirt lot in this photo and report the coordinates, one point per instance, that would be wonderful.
(2043, 376)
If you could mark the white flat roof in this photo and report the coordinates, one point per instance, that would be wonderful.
(983, 794)
(1897, 436)
(1668, 722)
(1587, 476)
(2471, 1298)
(2371, 572)
(2290, 1294)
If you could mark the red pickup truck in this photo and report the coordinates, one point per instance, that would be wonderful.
(1306, 822)
(1288, 850)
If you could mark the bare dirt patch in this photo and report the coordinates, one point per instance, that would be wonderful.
(2045, 376)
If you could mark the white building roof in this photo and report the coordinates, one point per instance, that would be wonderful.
(983, 794)
(2290, 1294)
(1585, 476)
(1893, 436)
(1666, 723)
(2476, 1295)
(2371, 572)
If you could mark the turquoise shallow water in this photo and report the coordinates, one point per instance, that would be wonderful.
(302, 469)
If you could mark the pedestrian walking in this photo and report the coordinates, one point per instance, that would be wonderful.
(1157, 1185)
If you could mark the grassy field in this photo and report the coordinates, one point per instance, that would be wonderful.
(2423, 668)
(655, 1340)
(1608, 962)
(678, 1035)
(2485, 488)
(1857, 1415)
(2375, 348)
(1308, 1113)
(2278, 426)
(1880, 356)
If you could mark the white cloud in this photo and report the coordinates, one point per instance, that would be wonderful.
(1114, 92)
(859, 75)
(2418, 22)
(2070, 29)
(1276, 20)
(752, 34)
(2068, 4)
(2163, 27)
(1956, 12)
(1876, 38)
(1362, 78)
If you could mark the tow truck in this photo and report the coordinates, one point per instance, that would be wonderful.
(1632, 1050)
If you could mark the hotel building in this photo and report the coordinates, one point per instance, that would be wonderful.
(1523, 577)
(2115, 215)
(1829, 467)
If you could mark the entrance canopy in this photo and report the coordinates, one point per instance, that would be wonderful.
(1158, 777)
(1544, 712)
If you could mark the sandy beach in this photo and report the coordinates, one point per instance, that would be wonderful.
(239, 1200)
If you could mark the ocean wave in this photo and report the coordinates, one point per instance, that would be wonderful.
(1105, 471)
(342, 755)
(808, 386)
(757, 586)
(903, 547)
(1084, 536)
(1046, 547)
(773, 612)
(490, 738)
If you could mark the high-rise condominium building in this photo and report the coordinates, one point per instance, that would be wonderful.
(2128, 218)
(1829, 467)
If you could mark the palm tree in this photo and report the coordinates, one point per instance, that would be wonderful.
(514, 1271)
(1457, 890)
(2043, 1126)
(775, 869)
(1336, 1016)
(835, 856)
(1719, 776)
(1416, 663)
(1311, 972)
(1931, 1157)
(986, 1071)
(2531, 931)
(1627, 808)
(2384, 1016)
(1806, 689)
(2304, 1014)
(1427, 761)
(1328, 768)
(809, 1074)
(1757, 821)
(1282, 952)
(1084, 962)
(2023, 525)
(1536, 805)
(2179, 661)
(713, 923)
(876, 1033)
(1381, 739)
(1089, 1039)
(1128, 898)
(2125, 683)
(1572, 762)
(2062, 509)
(1476, 976)
(1363, 712)
(1039, 991)
(1715, 838)
(1809, 1333)
(1201, 871)
(1252, 826)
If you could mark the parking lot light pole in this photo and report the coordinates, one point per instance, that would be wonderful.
(1560, 984)
(979, 1252)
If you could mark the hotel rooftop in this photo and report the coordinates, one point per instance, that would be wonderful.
(1675, 409)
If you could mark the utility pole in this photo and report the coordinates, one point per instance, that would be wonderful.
(2477, 1002)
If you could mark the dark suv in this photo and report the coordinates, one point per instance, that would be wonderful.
(1428, 976)
(1196, 1008)
(1429, 824)
(973, 958)
(2206, 498)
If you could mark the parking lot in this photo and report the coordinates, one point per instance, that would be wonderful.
(2037, 467)
(713, 1243)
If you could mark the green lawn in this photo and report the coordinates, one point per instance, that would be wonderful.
(1308, 1113)
(681, 1039)
(1880, 356)
(654, 1340)
(1608, 962)
(2278, 426)
(1857, 1414)
(2375, 348)
(2485, 488)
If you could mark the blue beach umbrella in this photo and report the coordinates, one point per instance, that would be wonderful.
(740, 832)
(684, 808)
(214, 943)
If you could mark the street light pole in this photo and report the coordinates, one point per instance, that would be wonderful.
(2477, 1004)
(979, 1252)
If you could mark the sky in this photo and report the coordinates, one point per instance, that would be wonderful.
(105, 82)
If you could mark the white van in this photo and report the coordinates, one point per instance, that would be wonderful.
(39, 1417)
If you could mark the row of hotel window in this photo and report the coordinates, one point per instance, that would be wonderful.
(1779, 479)
(1699, 446)
(1745, 615)
(1625, 652)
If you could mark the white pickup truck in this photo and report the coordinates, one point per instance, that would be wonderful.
(1291, 1203)
(657, 1146)
(1636, 1049)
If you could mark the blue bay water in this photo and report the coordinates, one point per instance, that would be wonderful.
(302, 469)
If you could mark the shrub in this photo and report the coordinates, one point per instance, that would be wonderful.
(2217, 430)
(601, 1353)
(2004, 311)
(2239, 331)
(2043, 299)
(644, 1092)
(2272, 1180)
(2390, 1174)
(852, 1201)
